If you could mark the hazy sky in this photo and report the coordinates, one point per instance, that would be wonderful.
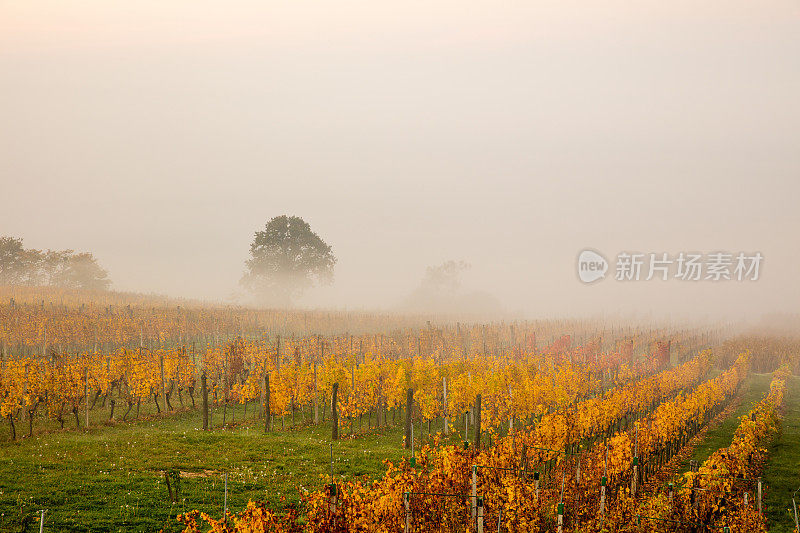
(162, 135)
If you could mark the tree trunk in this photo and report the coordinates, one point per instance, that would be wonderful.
(130, 406)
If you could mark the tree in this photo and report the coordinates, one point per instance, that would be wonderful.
(14, 261)
(440, 291)
(65, 268)
(80, 271)
(444, 278)
(286, 259)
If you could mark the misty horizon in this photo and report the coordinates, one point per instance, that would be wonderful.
(160, 138)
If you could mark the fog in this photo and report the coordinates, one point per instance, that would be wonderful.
(161, 135)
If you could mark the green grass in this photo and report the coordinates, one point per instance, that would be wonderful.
(756, 386)
(782, 474)
(781, 477)
(109, 479)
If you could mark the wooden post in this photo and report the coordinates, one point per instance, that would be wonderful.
(261, 399)
(471, 411)
(409, 407)
(86, 393)
(333, 492)
(163, 386)
(561, 505)
(407, 506)
(211, 413)
(225, 387)
(444, 406)
(204, 393)
(759, 496)
(478, 422)
(267, 408)
(316, 397)
(603, 482)
(511, 417)
(473, 494)
(335, 412)
(480, 515)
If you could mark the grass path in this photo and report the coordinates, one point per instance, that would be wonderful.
(782, 474)
(673, 470)
(720, 435)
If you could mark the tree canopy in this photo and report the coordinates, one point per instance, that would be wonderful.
(286, 259)
(59, 268)
(441, 291)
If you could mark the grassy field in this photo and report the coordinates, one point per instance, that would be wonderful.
(111, 478)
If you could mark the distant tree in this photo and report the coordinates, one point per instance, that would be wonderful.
(51, 266)
(287, 258)
(445, 277)
(440, 291)
(18, 266)
(64, 268)
(81, 271)
(11, 266)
